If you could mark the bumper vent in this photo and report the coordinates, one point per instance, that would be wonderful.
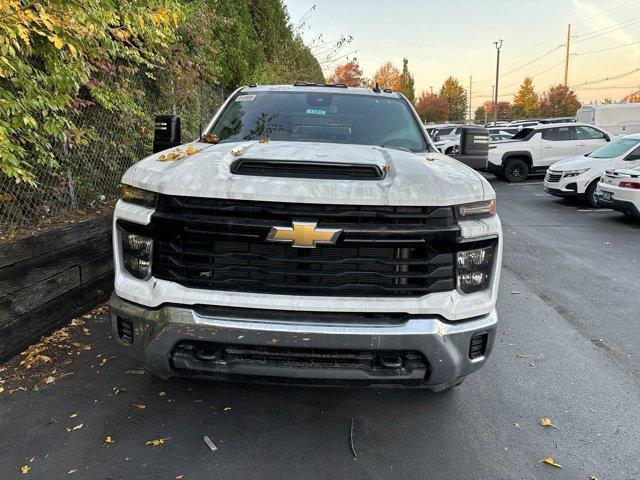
(296, 169)
(125, 330)
(478, 345)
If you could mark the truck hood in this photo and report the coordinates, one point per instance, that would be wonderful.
(412, 179)
(580, 161)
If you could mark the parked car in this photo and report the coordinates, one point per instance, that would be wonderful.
(313, 234)
(617, 118)
(498, 137)
(558, 120)
(580, 175)
(620, 190)
(504, 130)
(533, 149)
(448, 139)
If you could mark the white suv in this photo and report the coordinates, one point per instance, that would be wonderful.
(579, 175)
(534, 149)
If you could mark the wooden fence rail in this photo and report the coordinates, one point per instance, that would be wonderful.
(51, 277)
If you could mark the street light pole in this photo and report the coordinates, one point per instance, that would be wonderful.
(498, 45)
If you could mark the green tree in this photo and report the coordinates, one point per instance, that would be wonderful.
(456, 97)
(407, 84)
(525, 102)
(559, 101)
(479, 115)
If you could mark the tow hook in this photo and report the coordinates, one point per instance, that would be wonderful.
(392, 362)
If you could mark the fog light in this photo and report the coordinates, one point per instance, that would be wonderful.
(474, 268)
(136, 252)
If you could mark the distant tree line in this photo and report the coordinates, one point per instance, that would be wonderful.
(450, 102)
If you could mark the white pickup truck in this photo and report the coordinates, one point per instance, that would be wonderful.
(312, 234)
(533, 149)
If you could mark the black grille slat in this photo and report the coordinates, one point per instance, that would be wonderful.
(553, 177)
(301, 169)
(382, 251)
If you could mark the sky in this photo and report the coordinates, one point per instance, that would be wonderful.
(455, 37)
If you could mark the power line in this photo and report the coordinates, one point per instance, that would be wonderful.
(615, 77)
(610, 29)
(606, 49)
(490, 79)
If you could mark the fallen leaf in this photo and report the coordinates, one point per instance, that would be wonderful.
(162, 394)
(77, 427)
(139, 406)
(226, 409)
(25, 469)
(73, 415)
(108, 439)
(593, 477)
(137, 371)
(1, 389)
(547, 422)
(209, 138)
(71, 472)
(104, 360)
(263, 139)
(236, 152)
(551, 461)
(191, 150)
(157, 442)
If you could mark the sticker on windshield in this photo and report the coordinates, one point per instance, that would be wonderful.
(316, 111)
(245, 98)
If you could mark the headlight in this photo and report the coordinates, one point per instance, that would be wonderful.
(574, 173)
(470, 211)
(138, 196)
(474, 269)
(137, 253)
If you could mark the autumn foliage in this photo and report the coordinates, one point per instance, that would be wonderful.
(559, 101)
(349, 74)
(432, 107)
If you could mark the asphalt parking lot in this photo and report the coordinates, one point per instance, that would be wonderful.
(567, 350)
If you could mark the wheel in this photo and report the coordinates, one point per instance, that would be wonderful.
(590, 195)
(516, 170)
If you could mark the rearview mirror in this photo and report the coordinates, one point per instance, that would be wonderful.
(166, 132)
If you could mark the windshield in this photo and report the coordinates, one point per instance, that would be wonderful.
(614, 149)
(445, 131)
(524, 133)
(320, 117)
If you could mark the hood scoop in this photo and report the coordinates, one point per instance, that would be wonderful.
(307, 169)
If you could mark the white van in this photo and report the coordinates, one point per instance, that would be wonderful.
(616, 118)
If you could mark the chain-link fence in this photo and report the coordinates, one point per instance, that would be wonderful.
(90, 164)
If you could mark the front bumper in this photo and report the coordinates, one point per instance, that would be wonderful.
(615, 201)
(159, 333)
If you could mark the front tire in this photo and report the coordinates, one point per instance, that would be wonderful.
(590, 195)
(516, 170)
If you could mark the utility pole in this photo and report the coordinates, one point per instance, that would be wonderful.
(431, 87)
(470, 83)
(566, 58)
(498, 45)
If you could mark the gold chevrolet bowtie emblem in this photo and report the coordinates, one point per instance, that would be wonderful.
(304, 234)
